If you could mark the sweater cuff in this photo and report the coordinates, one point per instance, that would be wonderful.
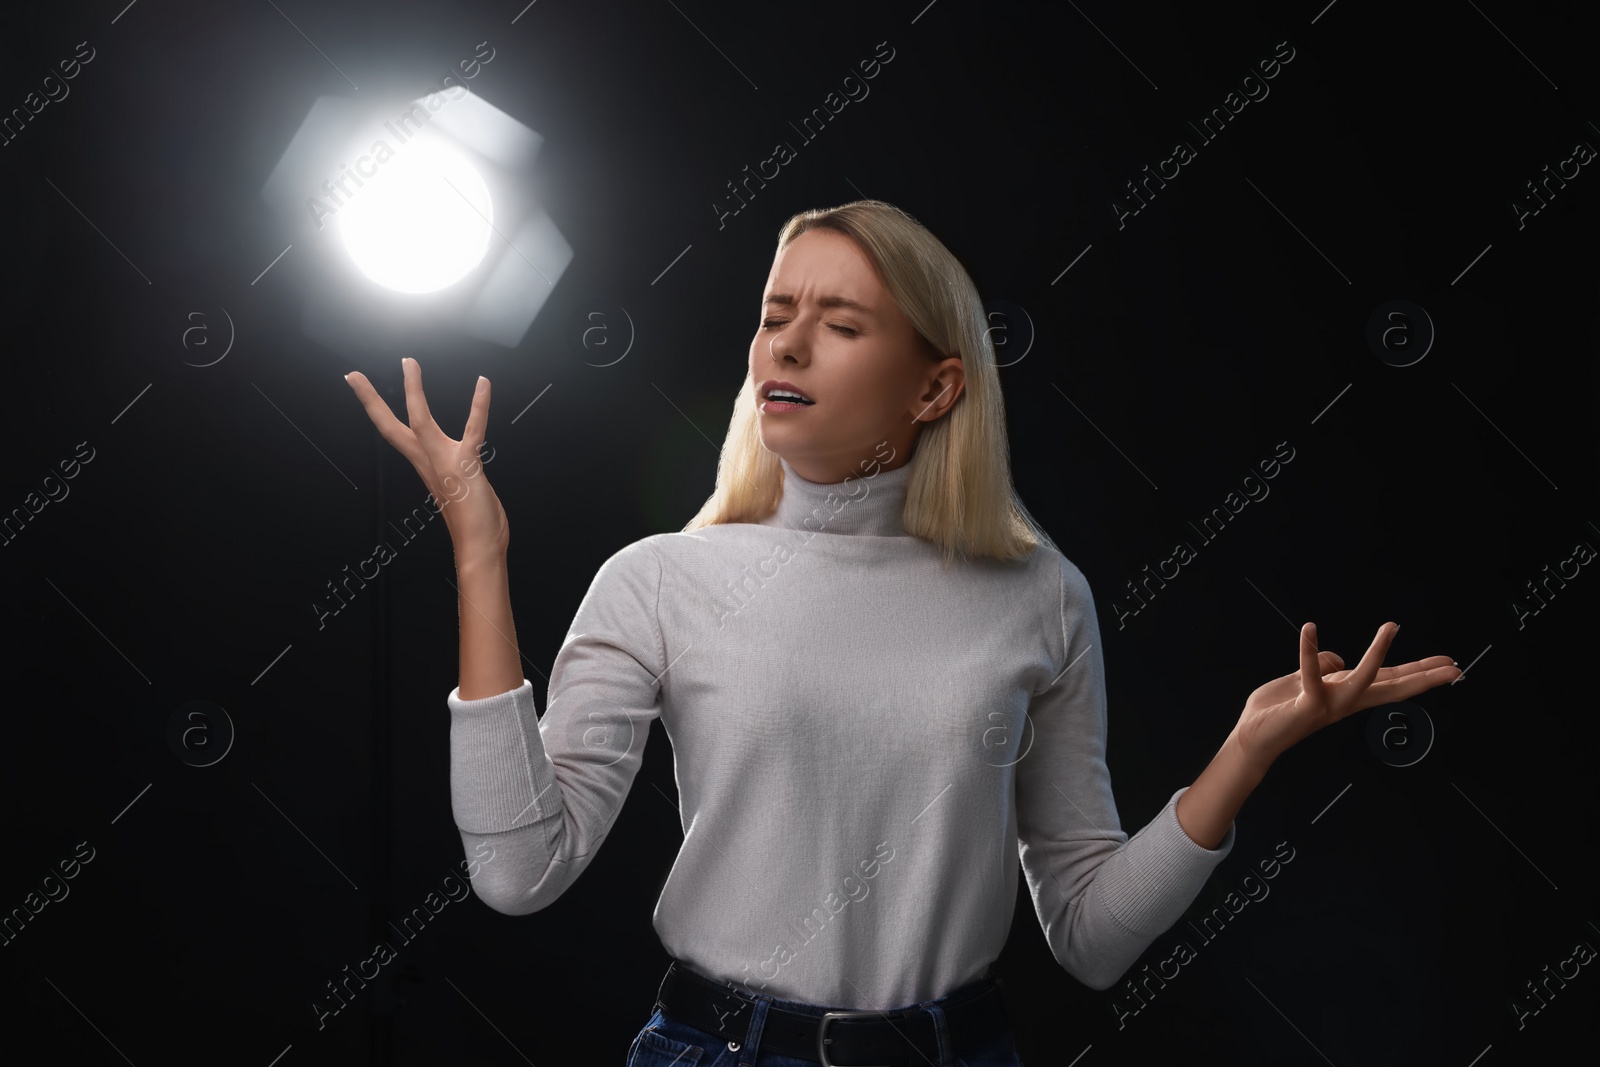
(498, 765)
(1166, 872)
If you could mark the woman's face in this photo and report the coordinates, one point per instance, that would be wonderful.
(831, 330)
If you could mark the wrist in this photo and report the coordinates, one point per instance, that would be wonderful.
(473, 556)
(1255, 763)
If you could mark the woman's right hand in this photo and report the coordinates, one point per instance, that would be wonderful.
(451, 470)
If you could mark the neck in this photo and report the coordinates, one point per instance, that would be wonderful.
(868, 504)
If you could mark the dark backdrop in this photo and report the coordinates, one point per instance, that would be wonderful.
(1156, 356)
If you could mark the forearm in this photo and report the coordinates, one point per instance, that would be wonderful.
(490, 661)
(1208, 807)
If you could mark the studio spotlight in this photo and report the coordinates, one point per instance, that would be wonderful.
(422, 222)
(409, 218)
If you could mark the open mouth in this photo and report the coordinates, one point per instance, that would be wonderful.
(779, 396)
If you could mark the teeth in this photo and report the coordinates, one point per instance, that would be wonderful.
(779, 394)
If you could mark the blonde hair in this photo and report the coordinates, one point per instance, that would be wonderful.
(959, 494)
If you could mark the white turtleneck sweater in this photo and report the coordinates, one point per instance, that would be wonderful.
(866, 745)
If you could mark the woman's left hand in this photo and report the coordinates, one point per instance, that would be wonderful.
(1289, 709)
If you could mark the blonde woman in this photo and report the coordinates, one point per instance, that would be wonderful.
(883, 685)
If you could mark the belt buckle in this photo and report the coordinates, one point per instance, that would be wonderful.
(822, 1029)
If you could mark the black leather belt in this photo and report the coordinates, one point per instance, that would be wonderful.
(974, 1013)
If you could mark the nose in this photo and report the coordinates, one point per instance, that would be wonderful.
(787, 346)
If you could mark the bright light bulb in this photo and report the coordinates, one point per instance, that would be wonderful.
(420, 223)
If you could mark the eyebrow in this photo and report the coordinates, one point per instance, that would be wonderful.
(824, 301)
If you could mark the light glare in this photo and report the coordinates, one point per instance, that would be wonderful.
(422, 222)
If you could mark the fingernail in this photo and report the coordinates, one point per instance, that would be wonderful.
(347, 377)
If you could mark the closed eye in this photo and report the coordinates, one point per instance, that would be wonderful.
(768, 324)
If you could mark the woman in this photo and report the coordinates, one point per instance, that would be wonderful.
(882, 682)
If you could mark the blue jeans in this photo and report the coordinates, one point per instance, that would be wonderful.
(667, 1042)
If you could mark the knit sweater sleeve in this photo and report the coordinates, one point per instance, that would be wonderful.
(544, 792)
(1101, 897)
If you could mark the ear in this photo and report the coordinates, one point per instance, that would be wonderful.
(945, 386)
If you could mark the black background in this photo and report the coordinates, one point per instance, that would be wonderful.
(1183, 345)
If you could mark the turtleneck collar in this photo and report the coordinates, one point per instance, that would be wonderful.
(866, 505)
